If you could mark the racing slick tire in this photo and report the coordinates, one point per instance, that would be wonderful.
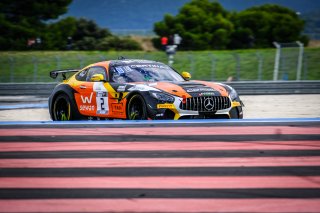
(136, 108)
(64, 109)
(234, 113)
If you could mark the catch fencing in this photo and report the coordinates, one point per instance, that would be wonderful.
(247, 65)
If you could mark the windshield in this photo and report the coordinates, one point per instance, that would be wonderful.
(143, 73)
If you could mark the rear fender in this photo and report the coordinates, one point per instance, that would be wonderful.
(62, 89)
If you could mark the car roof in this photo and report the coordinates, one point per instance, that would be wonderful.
(122, 62)
(101, 63)
(132, 61)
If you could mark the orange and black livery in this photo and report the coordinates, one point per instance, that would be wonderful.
(139, 90)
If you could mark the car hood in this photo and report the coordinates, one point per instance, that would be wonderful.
(191, 88)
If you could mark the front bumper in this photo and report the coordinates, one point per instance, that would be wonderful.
(177, 110)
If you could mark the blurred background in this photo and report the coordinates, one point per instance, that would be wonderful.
(225, 40)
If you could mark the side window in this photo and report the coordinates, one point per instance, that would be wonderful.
(81, 76)
(96, 70)
(116, 76)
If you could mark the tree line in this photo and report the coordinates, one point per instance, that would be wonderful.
(27, 24)
(202, 24)
(206, 25)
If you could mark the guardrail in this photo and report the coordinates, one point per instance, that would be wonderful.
(36, 89)
(276, 87)
(243, 88)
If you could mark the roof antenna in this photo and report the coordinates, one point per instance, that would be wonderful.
(121, 58)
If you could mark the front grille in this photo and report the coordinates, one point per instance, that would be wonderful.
(206, 104)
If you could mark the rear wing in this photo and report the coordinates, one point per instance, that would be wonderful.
(54, 74)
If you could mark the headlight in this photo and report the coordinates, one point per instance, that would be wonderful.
(233, 94)
(162, 97)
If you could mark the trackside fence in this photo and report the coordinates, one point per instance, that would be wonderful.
(248, 65)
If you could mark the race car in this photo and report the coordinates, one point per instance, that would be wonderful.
(135, 89)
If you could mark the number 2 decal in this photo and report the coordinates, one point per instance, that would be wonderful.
(102, 103)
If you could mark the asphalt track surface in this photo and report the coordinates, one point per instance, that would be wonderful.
(270, 165)
(32, 108)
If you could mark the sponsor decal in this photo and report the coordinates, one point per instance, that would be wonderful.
(128, 61)
(87, 108)
(201, 90)
(148, 66)
(128, 69)
(117, 107)
(207, 94)
(120, 70)
(86, 99)
(121, 88)
(102, 94)
(165, 106)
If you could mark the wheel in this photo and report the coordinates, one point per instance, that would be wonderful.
(64, 109)
(234, 114)
(136, 109)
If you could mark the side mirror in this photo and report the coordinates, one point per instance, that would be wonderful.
(97, 78)
(186, 75)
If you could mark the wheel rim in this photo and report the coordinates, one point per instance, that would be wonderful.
(62, 110)
(136, 111)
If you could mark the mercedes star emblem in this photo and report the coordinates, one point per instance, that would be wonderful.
(208, 104)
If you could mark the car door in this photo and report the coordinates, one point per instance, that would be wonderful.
(92, 97)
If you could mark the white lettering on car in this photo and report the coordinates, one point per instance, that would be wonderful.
(86, 99)
(87, 108)
(201, 90)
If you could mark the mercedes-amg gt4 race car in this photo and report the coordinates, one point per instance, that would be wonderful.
(139, 90)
